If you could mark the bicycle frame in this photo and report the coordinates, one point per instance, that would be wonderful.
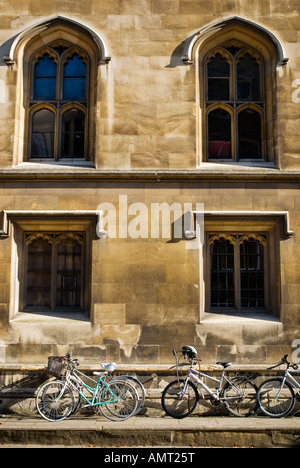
(292, 380)
(77, 383)
(287, 376)
(200, 384)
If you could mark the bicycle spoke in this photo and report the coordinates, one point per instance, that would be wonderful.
(55, 401)
(178, 401)
(121, 398)
(240, 396)
(276, 399)
(138, 387)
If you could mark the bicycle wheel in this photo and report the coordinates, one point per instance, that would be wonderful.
(118, 400)
(275, 399)
(177, 403)
(55, 401)
(138, 387)
(239, 395)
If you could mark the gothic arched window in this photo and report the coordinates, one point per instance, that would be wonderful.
(237, 273)
(234, 103)
(59, 102)
(54, 271)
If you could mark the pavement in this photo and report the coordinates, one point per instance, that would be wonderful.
(142, 431)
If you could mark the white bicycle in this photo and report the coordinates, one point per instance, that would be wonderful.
(276, 396)
(180, 397)
(116, 398)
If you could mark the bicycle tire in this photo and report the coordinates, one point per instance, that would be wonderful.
(126, 404)
(55, 401)
(175, 404)
(139, 388)
(274, 405)
(243, 406)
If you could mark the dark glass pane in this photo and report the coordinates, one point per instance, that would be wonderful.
(75, 66)
(233, 49)
(252, 273)
(74, 79)
(222, 274)
(60, 49)
(248, 87)
(73, 124)
(42, 140)
(218, 67)
(249, 135)
(45, 79)
(68, 287)
(218, 73)
(218, 89)
(219, 134)
(39, 273)
(74, 89)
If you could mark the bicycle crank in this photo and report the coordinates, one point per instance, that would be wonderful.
(214, 401)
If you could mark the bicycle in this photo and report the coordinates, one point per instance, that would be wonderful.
(276, 396)
(137, 384)
(180, 397)
(56, 400)
(107, 376)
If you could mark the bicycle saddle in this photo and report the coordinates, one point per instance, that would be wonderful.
(109, 366)
(224, 364)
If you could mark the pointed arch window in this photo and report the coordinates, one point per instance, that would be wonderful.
(54, 271)
(234, 103)
(237, 271)
(59, 103)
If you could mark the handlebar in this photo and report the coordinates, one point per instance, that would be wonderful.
(71, 361)
(284, 360)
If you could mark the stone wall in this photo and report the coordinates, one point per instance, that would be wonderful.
(145, 294)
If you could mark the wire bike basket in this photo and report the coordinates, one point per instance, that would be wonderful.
(57, 365)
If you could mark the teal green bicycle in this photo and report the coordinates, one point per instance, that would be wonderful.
(117, 399)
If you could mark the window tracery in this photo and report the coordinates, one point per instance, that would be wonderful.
(237, 273)
(234, 103)
(58, 104)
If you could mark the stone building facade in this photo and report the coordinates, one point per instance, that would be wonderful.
(149, 180)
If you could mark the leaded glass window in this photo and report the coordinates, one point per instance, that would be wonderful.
(252, 273)
(58, 106)
(222, 274)
(234, 103)
(54, 270)
(237, 271)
